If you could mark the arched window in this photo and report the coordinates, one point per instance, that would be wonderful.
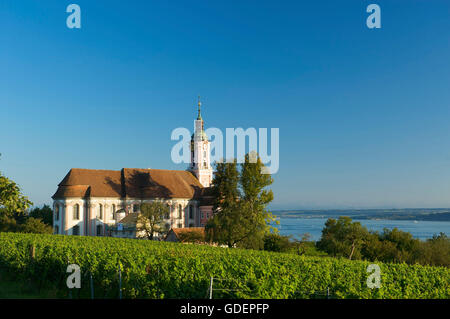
(76, 212)
(100, 211)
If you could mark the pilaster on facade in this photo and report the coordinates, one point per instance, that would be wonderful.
(66, 208)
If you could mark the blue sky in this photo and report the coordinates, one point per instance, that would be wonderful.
(363, 114)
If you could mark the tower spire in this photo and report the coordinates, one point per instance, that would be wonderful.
(200, 151)
(199, 117)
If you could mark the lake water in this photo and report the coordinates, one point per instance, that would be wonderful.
(314, 226)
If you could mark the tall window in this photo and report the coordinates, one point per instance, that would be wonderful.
(113, 210)
(191, 212)
(76, 212)
(76, 230)
(167, 214)
(100, 211)
(56, 212)
(180, 209)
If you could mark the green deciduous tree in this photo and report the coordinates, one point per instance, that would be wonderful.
(241, 197)
(278, 243)
(304, 244)
(191, 236)
(45, 214)
(36, 226)
(151, 219)
(7, 223)
(12, 205)
(24, 225)
(407, 248)
(342, 237)
(11, 199)
(436, 251)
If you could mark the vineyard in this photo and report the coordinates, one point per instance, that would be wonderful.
(170, 270)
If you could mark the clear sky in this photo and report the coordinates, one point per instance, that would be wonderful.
(363, 114)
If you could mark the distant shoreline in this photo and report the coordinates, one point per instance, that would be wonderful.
(419, 214)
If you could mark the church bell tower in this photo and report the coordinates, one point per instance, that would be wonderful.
(200, 152)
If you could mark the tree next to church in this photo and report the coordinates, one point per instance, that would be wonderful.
(11, 199)
(151, 219)
(241, 218)
(13, 207)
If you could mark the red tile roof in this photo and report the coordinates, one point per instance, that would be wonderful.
(129, 182)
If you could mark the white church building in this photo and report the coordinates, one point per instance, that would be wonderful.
(92, 202)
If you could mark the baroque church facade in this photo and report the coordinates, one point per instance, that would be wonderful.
(95, 202)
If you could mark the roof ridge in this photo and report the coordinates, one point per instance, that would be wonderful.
(118, 170)
(158, 169)
(92, 169)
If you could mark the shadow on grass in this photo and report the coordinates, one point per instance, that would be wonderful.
(12, 289)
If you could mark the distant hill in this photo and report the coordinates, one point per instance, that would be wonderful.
(423, 214)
